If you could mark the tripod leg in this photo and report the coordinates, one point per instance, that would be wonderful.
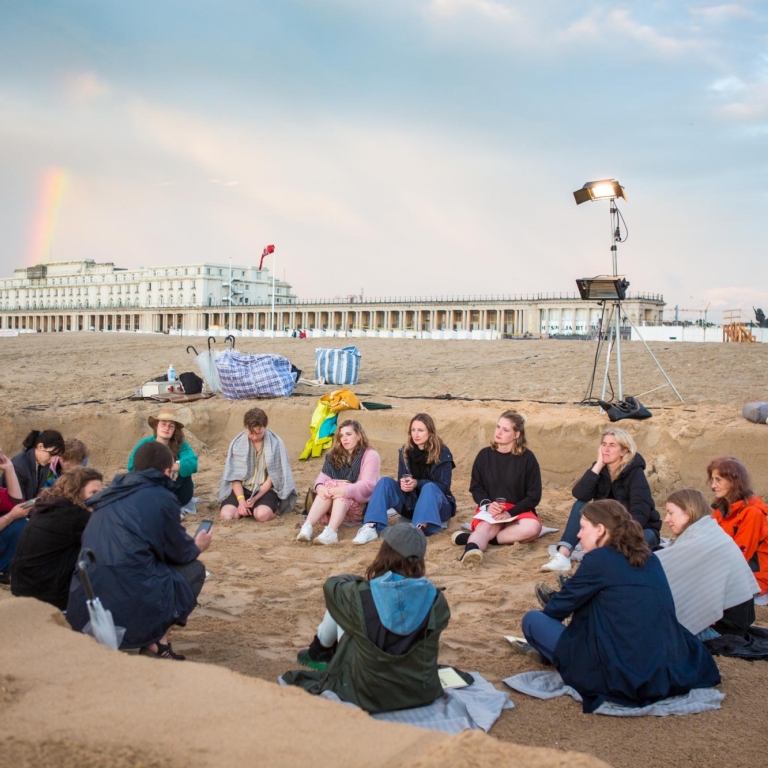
(618, 349)
(664, 373)
(608, 353)
(591, 385)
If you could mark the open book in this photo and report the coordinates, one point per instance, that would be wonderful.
(485, 515)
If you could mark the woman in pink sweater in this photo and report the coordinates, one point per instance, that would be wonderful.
(345, 485)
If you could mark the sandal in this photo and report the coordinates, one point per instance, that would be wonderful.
(164, 651)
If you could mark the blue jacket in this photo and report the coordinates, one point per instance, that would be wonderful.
(624, 643)
(136, 535)
(440, 474)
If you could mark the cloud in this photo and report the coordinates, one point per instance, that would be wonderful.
(86, 87)
(718, 13)
(489, 9)
(728, 85)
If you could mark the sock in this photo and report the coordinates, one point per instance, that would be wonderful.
(462, 539)
(495, 542)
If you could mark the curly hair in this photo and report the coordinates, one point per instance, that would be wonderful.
(388, 560)
(434, 445)
(624, 532)
(518, 422)
(734, 471)
(70, 485)
(254, 418)
(338, 455)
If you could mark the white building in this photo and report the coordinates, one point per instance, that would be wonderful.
(81, 285)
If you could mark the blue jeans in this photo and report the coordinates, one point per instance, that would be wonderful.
(542, 633)
(432, 507)
(570, 535)
(9, 538)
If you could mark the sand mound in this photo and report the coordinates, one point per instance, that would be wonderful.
(70, 702)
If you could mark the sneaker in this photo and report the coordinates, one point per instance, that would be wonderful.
(472, 557)
(317, 656)
(366, 534)
(460, 538)
(164, 651)
(543, 593)
(305, 534)
(328, 536)
(557, 562)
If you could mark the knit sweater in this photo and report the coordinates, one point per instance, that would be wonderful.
(505, 475)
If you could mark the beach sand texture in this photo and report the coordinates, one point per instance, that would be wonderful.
(263, 600)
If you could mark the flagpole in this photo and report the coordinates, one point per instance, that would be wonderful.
(274, 272)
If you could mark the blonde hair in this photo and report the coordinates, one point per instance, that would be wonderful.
(625, 440)
(518, 422)
(694, 503)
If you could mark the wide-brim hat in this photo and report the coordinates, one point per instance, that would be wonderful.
(164, 416)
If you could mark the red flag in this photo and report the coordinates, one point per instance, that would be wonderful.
(267, 250)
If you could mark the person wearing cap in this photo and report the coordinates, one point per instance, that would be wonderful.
(169, 431)
(378, 642)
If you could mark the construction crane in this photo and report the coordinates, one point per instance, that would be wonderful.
(703, 312)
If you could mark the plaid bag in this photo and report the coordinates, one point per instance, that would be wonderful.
(244, 376)
(337, 366)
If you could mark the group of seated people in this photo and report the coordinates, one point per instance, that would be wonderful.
(647, 608)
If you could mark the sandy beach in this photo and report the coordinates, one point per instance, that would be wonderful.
(263, 600)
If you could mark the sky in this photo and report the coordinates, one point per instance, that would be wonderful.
(395, 148)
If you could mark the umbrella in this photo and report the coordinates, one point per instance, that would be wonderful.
(101, 626)
(207, 367)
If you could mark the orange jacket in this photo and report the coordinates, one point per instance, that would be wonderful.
(747, 525)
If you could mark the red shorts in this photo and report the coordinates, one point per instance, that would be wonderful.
(521, 516)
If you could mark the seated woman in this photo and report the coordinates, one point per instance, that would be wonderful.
(33, 464)
(344, 487)
(169, 431)
(618, 473)
(711, 583)
(506, 481)
(624, 643)
(742, 515)
(257, 480)
(422, 491)
(50, 543)
(13, 516)
(387, 627)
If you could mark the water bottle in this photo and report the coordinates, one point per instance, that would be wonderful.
(171, 373)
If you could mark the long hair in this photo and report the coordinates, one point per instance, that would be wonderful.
(70, 485)
(624, 533)
(692, 502)
(518, 422)
(625, 440)
(176, 441)
(338, 455)
(734, 471)
(434, 445)
(388, 560)
(50, 438)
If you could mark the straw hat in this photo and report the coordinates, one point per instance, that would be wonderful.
(164, 416)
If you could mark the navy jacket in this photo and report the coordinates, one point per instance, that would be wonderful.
(624, 643)
(31, 476)
(440, 474)
(630, 489)
(136, 535)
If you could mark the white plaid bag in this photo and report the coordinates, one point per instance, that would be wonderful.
(337, 366)
(244, 376)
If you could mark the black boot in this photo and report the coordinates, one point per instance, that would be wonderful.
(317, 656)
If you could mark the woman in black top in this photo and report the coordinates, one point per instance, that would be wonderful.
(506, 485)
(34, 465)
(50, 542)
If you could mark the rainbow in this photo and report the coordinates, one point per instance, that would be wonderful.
(44, 227)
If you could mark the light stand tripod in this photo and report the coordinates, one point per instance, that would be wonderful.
(615, 313)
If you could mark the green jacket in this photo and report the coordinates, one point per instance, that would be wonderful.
(362, 674)
(187, 458)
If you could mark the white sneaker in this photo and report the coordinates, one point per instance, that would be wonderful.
(366, 534)
(557, 562)
(305, 534)
(328, 536)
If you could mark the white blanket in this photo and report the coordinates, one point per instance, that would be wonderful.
(549, 685)
(707, 573)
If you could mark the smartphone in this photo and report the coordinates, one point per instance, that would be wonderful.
(205, 525)
(28, 504)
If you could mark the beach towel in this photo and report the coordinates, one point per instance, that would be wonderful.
(549, 685)
(707, 573)
(476, 707)
(245, 376)
(241, 462)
